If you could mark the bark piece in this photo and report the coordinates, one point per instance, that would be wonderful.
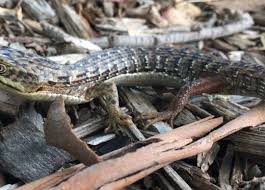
(250, 141)
(52, 180)
(58, 123)
(74, 23)
(195, 177)
(24, 152)
(206, 159)
(59, 35)
(38, 9)
(226, 168)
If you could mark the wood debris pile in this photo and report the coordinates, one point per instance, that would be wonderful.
(53, 146)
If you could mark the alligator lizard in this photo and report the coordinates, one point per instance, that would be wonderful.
(40, 79)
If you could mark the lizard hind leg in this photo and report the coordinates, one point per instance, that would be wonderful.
(108, 94)
(209, 84)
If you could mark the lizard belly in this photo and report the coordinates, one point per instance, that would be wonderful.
(147, 79)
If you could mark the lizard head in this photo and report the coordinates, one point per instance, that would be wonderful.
(18, 72)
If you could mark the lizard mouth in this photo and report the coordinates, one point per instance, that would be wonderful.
(6, 84)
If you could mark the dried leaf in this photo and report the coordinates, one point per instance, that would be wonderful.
(182, 14)
(58, 123)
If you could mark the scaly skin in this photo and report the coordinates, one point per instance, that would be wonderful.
(37, 78)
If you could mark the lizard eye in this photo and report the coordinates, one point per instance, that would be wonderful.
(2, 69)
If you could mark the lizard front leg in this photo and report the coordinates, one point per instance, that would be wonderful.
(108, 93)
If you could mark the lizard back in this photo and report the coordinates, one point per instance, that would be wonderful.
(168, 66)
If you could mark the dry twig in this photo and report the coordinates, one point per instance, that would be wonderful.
(245, 21)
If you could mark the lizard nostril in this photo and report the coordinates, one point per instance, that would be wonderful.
(40, 89)
(52, 83)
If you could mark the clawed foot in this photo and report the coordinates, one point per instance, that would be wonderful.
(154, 117)
(116, 119)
